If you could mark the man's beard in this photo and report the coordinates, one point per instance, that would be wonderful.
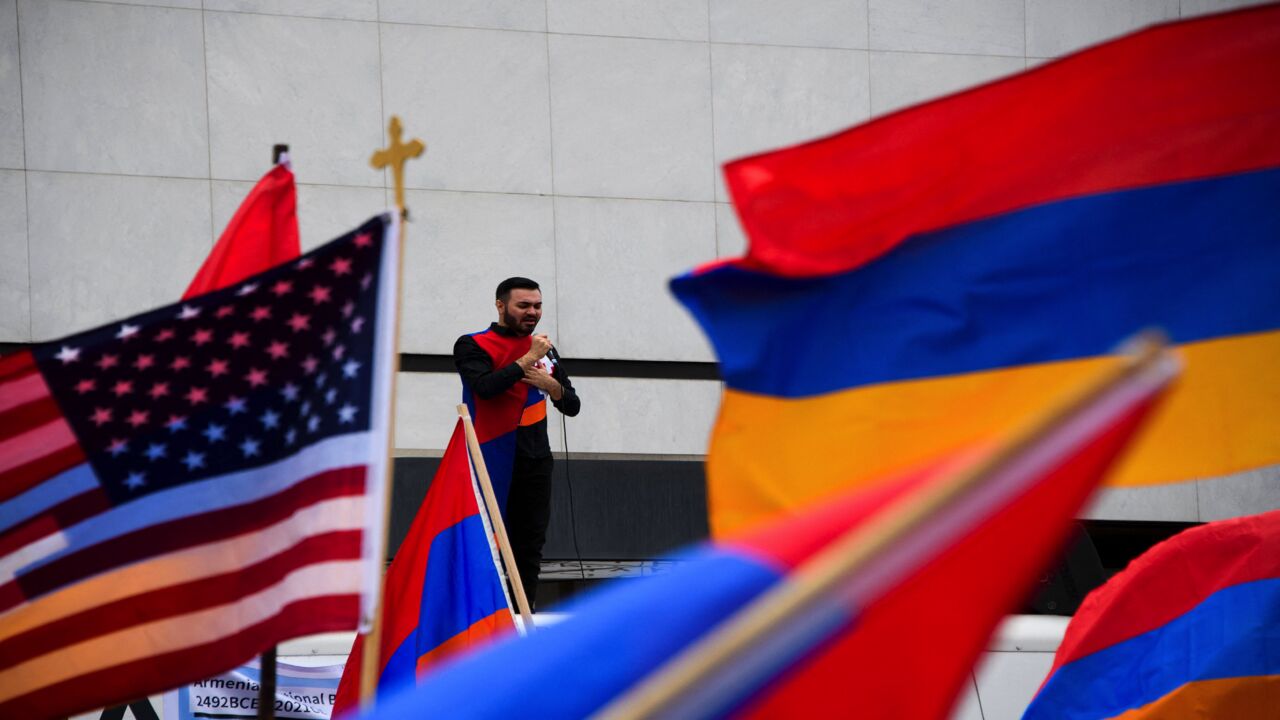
(513, 325)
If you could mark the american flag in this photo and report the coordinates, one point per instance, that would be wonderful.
(183, 489)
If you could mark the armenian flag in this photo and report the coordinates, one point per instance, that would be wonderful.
(1189, 629)
(443, 592)
(912, 283)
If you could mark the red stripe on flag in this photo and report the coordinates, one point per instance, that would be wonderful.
(11, 595)
(1147, 596)
(60, 516)
(186, 532)
(34, 444)
(836, 203)
(452, 496)
(139, 678)
(180, 599)
(20, 479)
(25, 388)
(16, 365)
(27, 416)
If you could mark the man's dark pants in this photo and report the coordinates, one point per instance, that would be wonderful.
(528, 512)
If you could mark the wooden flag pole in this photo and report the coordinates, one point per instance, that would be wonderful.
(655, 694)
(495, 515)
(394, 156)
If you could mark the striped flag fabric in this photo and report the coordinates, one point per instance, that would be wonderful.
(953, 258)
(184, 488)
(1191, 629)
(888, 638)
(444, 592)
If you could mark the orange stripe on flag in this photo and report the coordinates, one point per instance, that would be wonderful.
(1196, 433)
(534, 413)
(1238, 697)
(481, 632)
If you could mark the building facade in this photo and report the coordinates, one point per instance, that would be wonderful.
(573, 141)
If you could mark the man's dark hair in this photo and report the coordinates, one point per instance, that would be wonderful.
(514, 283)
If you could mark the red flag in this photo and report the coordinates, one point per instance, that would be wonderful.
(262, 233)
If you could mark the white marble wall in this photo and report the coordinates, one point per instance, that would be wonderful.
(575, 141)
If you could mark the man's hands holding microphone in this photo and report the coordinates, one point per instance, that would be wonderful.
(538, 348)
(534, 374)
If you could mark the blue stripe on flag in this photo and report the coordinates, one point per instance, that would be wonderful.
(60, 487)
(616, 636)
(460, 586)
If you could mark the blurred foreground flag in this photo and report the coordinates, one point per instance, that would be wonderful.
(444, 591)
(185, 488)
(911, 283)
(854, 604)
(263, 233)
(1190, 629)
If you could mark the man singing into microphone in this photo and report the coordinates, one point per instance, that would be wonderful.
(507, 375)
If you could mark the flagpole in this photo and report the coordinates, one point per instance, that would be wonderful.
(495, 515)
(267, 661)
(394, 156)
(267, 684)
(655, 694)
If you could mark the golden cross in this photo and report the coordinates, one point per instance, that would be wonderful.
(395, 155)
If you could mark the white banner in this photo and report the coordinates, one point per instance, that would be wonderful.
(301, 692)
